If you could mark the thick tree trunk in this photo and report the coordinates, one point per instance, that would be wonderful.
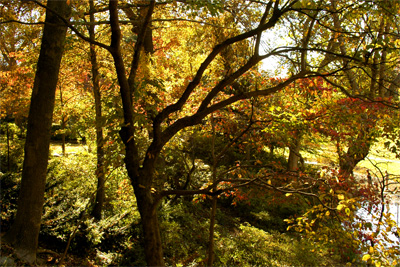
(141, 177)
(151, 229)
(100, 172)
(293, 160)
(356, 152)
(294, 155)
(25, 230)
(353, 156)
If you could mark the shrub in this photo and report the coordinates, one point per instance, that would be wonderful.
(10, 185)
(250, 246)
(12, 147)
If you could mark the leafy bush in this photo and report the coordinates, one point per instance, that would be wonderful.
(184, 228)
(12, 147)
(10, 185)
(265, 209)
(70, 193)
(250, 246)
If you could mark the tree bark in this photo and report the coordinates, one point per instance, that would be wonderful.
(100, 172)
(63, 124)
(294, 154)
(356, 152)
(24, 232)
(151, 231)
(211, 254)
(141, 177)
(8, 148)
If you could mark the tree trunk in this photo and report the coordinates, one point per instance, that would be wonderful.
(63, 124)
(294, 154)
(100, 172)
(211, 255)
(151, 229)
(141, 177)
(8, 148)
(356, 152)
(24, 232)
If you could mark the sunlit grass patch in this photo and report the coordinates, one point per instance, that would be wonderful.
(56, 148)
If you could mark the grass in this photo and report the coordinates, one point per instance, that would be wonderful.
(56, 148)
(375, 164)
(379, 158)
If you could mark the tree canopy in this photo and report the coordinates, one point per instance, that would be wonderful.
(205, 102)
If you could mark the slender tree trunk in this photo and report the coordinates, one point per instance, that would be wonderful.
(8, 148)
(63, 124)
(100, 172)
(211, 255)
(24, 232)
(210, 252)
(63, 138)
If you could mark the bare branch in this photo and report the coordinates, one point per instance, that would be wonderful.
(21, 22)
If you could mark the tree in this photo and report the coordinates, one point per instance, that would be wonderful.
(24, 232)
(142, 173)
(210, 69)
(19, 49)
(367, 74)
(100, 172)
(141, 168)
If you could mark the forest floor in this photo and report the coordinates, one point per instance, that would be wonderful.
(45, 257)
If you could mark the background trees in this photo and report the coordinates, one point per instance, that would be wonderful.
(188, 74)
(25, 230)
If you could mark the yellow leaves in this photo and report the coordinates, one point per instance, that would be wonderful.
(348, 212)
(340, 207)
(371, 250)
(288, 194)
(397, 43)
(327, 213)
(366, 257)
(340, 197)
